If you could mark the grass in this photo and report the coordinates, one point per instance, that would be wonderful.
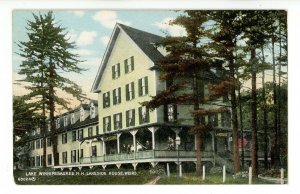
(141, 177)
(210, 179)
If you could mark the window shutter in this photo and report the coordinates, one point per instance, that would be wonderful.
(114, 97)
(109, 123)
(166, 118)
(118, 66)
(108, 99)
(114, 122)
(132, 88)
(121, 120)
(126, 65)
(119, 91)
(147, 115)
(140, 87)
(133, 117)
(132, 63)
(104, 129)
(113, 72)
(127, 92)
(146, 85)
(175, 112)
(140, 115)
(127, 118)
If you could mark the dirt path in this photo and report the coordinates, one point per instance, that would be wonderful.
(153, 181)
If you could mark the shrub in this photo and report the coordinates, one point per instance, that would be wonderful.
(158, 170)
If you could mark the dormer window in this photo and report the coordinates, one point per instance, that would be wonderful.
(58, 123)
(72, 118)
(82, 114)
(92, 111)
(65, 121)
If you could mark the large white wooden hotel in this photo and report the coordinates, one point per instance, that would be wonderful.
(117, 130)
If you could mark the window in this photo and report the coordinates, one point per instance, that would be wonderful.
(143, 86)
(72, 118)
(57, 123)
(130, 118)
(116, 71)
(130, 91)
(49, 142)
(38, 161)
(65, 120)
(82, 114)
(94, 151)
(97, 130)
(64, 158)
(49, 127)
(92, 111)
(38, 144)
(32, 145)
(117, 96)
(79, 154)
(106, 100)
(106, 124)
(170, 113)
(74, 135)
(225, 119)
(90, 131)
(49, 158)
(129, 64)
(144, 115)
(64, 138)
(118, 121)
(32, 161)
(38, 131)
(80, 134)
(73, 156)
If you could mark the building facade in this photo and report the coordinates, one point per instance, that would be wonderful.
(119, 130)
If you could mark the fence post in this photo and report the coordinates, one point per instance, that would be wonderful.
(250, 175)
(224, 174)
(282, 176)
(180, 170)
(203, 173)
(168, 170)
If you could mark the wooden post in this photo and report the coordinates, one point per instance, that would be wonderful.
(203, 173)
(282, 176)
(180, 170)
(168, 170)
(250, 175)
(224, 174)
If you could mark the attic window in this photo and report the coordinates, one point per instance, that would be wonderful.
(129, 64)
(92, 111)
(65, 121)
(81, 114)
(58, 123)
(72, 118)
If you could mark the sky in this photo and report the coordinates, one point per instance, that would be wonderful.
(91, 31)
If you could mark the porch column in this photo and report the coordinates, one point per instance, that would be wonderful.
(118, 142)
(213, 146)
(153, 130)
(134, 141)
(103, 146)
(195, 142)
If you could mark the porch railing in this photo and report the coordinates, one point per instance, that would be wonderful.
(144, 155)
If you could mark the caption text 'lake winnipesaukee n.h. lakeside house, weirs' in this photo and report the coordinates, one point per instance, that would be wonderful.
(116, 129)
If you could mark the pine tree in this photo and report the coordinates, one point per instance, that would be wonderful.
(187, 69)
(47, 54)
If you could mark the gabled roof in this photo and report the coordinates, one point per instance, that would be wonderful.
(144, 40)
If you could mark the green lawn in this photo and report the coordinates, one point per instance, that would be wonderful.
(210, 179)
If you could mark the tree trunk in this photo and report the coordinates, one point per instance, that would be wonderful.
(52, 110)
(236, 155)
(275, 146)
(279, 101)
(197, 124)
(44, 128)
(254, 162)
(265, 121)
(242, 127)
